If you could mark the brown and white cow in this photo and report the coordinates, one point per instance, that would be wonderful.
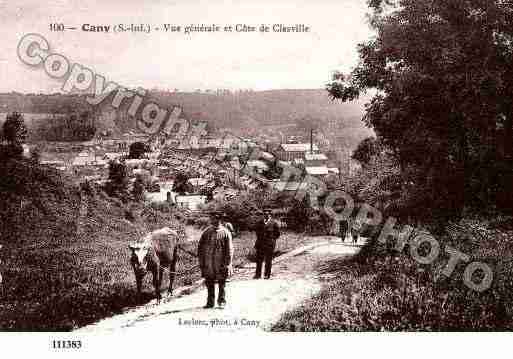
(155, 252)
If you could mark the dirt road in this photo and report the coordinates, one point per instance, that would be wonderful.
(252, 304)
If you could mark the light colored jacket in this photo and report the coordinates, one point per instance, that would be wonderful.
(215, 253)
(229, 226)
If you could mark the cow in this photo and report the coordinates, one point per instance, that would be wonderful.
(155, 252)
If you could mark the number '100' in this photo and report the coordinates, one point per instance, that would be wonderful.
(56, 27)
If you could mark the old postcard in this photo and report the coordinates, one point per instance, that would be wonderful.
(184, 169)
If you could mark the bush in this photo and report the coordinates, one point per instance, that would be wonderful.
(117, 184)
(11, 151)
(15, 130)
(381, 289)
(242, 211)
(137, 150)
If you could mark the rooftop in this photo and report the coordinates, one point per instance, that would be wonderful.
(318, 170)
(298, 147)
(288, 186)
(198, 181)
(257, 163)
(267, 156)
(315, 157)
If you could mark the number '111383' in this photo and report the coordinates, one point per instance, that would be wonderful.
(66, 344)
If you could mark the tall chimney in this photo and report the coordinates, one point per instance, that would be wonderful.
(311, 140)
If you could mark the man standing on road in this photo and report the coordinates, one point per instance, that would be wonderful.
(267, 232)
(215, 253)
(343, 229)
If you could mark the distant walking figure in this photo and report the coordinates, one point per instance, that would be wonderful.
(267, 232)
(215, 253)
(356, 228)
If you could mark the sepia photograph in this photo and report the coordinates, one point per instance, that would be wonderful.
(255, 167)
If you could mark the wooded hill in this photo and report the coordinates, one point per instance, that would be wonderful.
(234, 110)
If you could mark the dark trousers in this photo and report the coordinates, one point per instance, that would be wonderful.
(261, 257)
(355, 234)
(211, 290)
(343, 229)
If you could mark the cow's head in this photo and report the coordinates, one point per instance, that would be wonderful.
(139, 256)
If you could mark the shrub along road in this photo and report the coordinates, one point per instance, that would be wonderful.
(252, 304)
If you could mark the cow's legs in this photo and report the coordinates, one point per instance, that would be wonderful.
(138, 282)
(157, 279)
(172, 270)
(161, 275)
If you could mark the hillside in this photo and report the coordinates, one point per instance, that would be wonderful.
(274, 107)
(64, 259)
(236, 111)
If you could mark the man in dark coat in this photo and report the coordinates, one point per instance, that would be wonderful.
(215, 253)
(267, 232)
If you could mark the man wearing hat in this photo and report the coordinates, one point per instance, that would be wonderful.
(215, 253)
(267, 232)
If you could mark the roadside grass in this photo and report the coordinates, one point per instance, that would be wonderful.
(65, 264)
(387, 291)
(65, 257)
(73, 284)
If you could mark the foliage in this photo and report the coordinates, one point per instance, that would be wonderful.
(117, 184)
(181, 184)
(138, 189)
(247, 208)
(72, 125)
(14, 134)
(15, 130)
(243, 211)
(366, 150)
(35, 155)
(137, 150)
(443, 73)
(298, 214)
(378, 292)
(10, 151)
(65, 261)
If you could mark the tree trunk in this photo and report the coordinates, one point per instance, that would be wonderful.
(508, 138)
(505, 193)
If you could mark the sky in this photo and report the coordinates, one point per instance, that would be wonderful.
(223, 60)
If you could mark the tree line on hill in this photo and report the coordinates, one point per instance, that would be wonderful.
(237, 111)
(70, 127)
